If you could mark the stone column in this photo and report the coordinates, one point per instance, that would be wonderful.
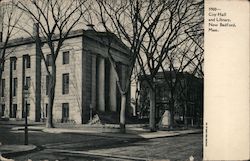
(101, 84)
(10, 87)
(107, 85)
(86, 85)
(112, 89)
(93, 86)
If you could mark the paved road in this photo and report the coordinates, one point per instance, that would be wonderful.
(48, 140)
(91, 147)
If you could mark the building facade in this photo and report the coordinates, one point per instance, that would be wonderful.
(85, 79)
(187, 95)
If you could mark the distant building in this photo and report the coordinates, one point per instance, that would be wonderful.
(85, 78)
(188, 96)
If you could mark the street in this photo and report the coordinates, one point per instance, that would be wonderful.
(73, 146)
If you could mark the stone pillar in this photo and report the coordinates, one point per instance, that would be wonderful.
(86, 85)
(93, 86)
(10, 87)
(107, 85)
(112, 90)
(101, 84)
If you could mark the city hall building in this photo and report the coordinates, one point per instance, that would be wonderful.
(85, 79)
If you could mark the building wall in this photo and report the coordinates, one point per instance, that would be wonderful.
(92, 82)
(74, 46)
(18, 52)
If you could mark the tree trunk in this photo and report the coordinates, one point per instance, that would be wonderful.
(152, 121)
(136, 99)
(52, 81)
(1, 80)
(185, 115)
(123, 113)
(1, 90)
(171, 114)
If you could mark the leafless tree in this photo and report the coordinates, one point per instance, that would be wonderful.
(8, 19)
(55, 18)
(155, 32)
(122, 18)
(173, 48)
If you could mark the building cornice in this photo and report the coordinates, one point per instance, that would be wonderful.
(94, 35)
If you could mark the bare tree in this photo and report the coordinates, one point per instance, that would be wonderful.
(123, 19)
(171, 49)
(8, 19)
(55, 18)
(186, 57)
(154, 31)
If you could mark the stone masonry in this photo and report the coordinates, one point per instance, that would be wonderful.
(91, 84)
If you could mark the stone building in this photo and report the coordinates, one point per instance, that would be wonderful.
(188, 97)
(85, 78)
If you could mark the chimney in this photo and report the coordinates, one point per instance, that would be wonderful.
(90, 27)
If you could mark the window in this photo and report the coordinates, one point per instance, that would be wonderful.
(27, 82)
(47, 84)
(65, 112)
(14, 86)
(27, 61)
(2, 110)
(49, 59)
(13, 63)
(2, 87)
(65, 84)
(66, 57)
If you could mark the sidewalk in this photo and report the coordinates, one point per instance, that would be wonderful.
(131, 132)
(7, 151)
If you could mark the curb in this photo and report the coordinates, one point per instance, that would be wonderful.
(31, 128)
(103, 134)
(21, 152)
(126, 135)
(169, 135)
(103, 155)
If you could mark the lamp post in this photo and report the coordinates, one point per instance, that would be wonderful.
(26, 95)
